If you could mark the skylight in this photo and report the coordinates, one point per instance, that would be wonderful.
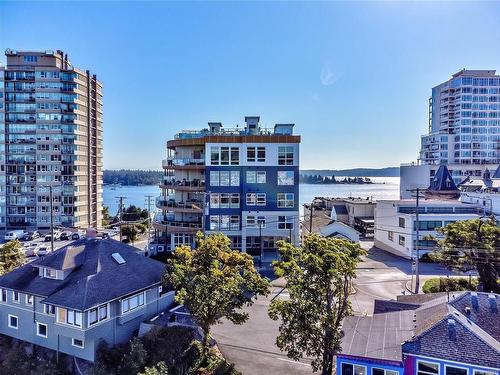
(118, 258)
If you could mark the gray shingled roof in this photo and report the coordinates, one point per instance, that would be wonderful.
(95, 279)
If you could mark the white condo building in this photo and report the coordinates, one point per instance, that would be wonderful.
(464, 130)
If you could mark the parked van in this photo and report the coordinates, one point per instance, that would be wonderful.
(18, 234)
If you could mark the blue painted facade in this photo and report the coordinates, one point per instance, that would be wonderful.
(344, 363)
(411, 366)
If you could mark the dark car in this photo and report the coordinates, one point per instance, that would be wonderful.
(75, 236)
(65, 236)
(30, 236)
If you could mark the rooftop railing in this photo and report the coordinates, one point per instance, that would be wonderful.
(188, 134)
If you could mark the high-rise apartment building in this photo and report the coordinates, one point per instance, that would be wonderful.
(243, 182)
(50, 142)
(464, 130)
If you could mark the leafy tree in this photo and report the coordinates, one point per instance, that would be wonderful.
(134, 360)
(159, 369)
(131, 232)
(106, 219)
(471, 245)
(16, 361)
(318, 277)
(214, 282)
(11, 256)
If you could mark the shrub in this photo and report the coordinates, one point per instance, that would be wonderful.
(452, 284)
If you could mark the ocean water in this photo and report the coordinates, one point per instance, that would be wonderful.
(382, 188)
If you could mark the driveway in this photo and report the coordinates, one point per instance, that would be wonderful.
(251, 346)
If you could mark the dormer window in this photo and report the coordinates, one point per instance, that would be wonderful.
(49, 273)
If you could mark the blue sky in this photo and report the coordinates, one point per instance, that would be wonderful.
(354, 77)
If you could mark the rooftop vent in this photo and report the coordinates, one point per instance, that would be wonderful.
(467, 310)
(452, 332)
(493, 303)
(118, 258)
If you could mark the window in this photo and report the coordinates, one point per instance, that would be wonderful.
(3, 296)
(224, 222)
(15, 296)
(251, 154)
(30, 58)
(256, 221)
(49, 309)
(235, 201)
(98, 314)
(390, 235)
(256, 177)
(482, 372)
(214, 178)
(350, 369)
(132, 302)
(261, 199)
(402, 240)
(41, 329)
(214, 155)
(50, 273)
(235, 156)
(71, 317)
(285, 155)
(380, 371)
(427, 368)
(256, 199)
(224, 178)
(224, 155)
(285, 177)
(214, 222)
(285, 222)
(214, 200)
(235, 178)
(256, 154)
(13, 321)
(286, 200)
(401, 222)
(78, 343)
(451, 370)
(261, 154)
(29, 299)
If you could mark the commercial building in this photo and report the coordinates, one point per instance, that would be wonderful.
(243, 182)
(424, 335)
(483, 192)
(85, 293)
(464, 130)
(50, 139)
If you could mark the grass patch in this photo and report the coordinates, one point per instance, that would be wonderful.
(452, 284)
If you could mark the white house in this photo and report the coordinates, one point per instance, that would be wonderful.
(395, 229)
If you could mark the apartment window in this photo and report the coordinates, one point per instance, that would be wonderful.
(350, 369)
(286, 200)
(15, 296)
(98, 314)
(133, 302)
(3, 296)
(234, 222)
(256, 154)
(224, 200)
(49, 309)
(256, 177)
(286, 178)
(381, 371)
(401, 222)
(224, 155)
(427, 368)
(235, 201)
(256, 221)
(71, 317)
(224, 178)
(251, 154)
(29, 299)
(390, 235)
(256, 199)
(214, 155)
(402, 240)
(13, 321)
(30, 58)
(285, 155)
(285, 222)
(214, 222)
(482, 372)
(41, 329)
(235, 156)
(235, 178)
(214, 200)
(50, 273)
(78, 343)
(214, 178)
(452, 370)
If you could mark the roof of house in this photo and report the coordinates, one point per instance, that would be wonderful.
(497, 173)
(95, 277)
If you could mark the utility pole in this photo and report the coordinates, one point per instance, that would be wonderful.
(261, 244)
(149, 203)
(120, 214)
(311, 212)
(51, 219)
(417, 246)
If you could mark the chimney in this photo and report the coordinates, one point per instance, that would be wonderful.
(90, 233)
(452, 332)
(475, 303)
(493, 303)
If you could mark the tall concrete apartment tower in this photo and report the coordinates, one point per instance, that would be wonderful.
(50, 139)
(464, 130)
(243, 182)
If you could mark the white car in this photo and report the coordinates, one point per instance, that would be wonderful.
(30, 249)
(15, 235)
(42, 250)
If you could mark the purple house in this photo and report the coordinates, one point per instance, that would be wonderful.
(424, 335)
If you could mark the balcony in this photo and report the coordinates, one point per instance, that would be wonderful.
(185, 207)
(173, 163)
(172, 226)
(194, 185)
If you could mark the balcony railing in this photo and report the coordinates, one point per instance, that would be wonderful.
(188, 184)
(170, 203)
(189, 134)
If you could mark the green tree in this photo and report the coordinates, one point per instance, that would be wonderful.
(11, 256)
(214, 282)
(16, 361)
(106, 219)
(318, 277)
(131, 232)
(159, 369)
(471, 245)
(133, 361)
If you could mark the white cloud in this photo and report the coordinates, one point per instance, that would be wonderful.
(328, 77)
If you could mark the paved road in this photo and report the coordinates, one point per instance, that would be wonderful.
(251, 346)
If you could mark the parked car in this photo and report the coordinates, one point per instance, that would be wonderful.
(65, 236)
(76, 236)
(30, 236)
(57, 235)
(17, 234)
(30, 249)
(42, 250)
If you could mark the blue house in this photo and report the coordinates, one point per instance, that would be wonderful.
(424, 335)
(82, 294)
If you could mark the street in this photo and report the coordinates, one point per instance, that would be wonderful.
(251, 346)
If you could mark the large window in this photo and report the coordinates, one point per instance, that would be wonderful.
(224, 222)
(98, 314)
(224, 200)
(285, 155)
(427, 368)
(41, 329)
(256, 154)
(286, 200)
(286, 178)
(452, 370)
(224, 178)
(256, 199)
(350, 369)
(133, 302)
(381, 371)
(224, 155)
(428, 224)
(71, 317)
(285, 222)
(256, 221)
(256, 177)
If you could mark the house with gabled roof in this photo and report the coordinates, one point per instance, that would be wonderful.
(87, 292)
(424, 335)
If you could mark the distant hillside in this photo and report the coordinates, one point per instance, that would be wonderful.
(355, 172)
(131, 177)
